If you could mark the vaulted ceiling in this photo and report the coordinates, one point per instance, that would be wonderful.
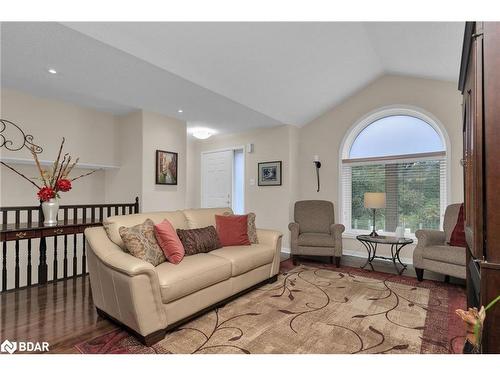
(227, 76)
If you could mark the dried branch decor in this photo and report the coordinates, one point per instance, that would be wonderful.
(55, 180)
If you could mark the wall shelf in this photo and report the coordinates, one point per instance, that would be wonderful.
(24, 161)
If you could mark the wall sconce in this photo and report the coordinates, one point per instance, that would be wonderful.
(317, 164)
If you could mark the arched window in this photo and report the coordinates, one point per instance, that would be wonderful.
(403, 153)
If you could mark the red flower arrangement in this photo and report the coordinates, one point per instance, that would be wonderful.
(63, 185)
(55, 180)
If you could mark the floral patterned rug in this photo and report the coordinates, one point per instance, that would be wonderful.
(318, 309)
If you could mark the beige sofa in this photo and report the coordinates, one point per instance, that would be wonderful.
(148, 300)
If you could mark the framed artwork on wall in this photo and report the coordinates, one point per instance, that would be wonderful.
(166, 167)
(269, 173)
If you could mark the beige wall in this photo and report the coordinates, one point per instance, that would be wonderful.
(89, 134)
(168, 134)
(271, 204)
(125, 183)
(323, 136)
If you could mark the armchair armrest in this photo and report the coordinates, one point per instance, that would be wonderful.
(294, 236)
(428, 237)
(336, 231)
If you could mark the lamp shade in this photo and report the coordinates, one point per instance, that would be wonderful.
(374, 200)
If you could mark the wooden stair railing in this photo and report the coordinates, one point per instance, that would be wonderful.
(22, 226)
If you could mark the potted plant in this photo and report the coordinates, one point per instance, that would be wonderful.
(474, 320)
(53, 182)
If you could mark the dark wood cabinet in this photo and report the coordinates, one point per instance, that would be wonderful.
(480, 86)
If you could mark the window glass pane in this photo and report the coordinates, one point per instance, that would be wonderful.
(413, 193)
(396, 135)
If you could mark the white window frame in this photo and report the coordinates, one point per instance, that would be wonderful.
(365, 121)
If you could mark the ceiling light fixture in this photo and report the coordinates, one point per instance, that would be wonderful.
(52, 71)
(202, 133)
(180, 110)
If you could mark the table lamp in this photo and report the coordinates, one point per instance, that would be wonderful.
(374, 201)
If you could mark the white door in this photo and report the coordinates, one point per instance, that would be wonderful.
(217, 179)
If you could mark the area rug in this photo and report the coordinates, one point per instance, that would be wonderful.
(318, 309)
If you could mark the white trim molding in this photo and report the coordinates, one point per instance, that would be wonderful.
(377, 114)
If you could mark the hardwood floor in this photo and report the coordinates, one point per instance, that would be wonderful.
(63, 314)
(60, 313)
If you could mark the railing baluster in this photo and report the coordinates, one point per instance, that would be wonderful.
(28, 266)
(4, 267)
(65, 213)
(75, 264)
(42, 262)
(16, 268)
(109, 211)
(65, 261)
(84, 216)
(116, 210)
(84, 258)
(92, 214)
(54, 277)
(18, 221)
(101, 214)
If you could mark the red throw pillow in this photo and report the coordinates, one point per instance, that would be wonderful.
(232, 230)
(458, 234)
(169, 242)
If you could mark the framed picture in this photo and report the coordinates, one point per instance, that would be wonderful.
(166, 167)
(270, 173)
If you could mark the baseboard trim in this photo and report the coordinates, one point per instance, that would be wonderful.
(354, 254)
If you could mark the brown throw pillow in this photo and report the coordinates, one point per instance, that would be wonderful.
(251, 229)
(199, 240)
(140, 241)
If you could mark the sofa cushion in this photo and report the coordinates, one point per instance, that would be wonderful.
(203, 217)
(140, 241)
(232, 229)
(458, 235)
(251, 229)
(246, 258)
(192, 274)
(113, 223)
(316, 239)
(199, 240)
(445, 254)
(169, 241)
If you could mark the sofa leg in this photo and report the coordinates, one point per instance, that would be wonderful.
(337, 262)
(294, 260)
(153, 338)
(331, 260)
(420, 274)
(447, 279)
(272, 279)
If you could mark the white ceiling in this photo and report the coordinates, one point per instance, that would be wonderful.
(228, 76)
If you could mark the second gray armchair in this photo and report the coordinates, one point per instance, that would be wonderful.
(314, 231)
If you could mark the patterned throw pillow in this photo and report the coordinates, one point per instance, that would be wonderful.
(252, 229)
(199, 240)
(140, 241)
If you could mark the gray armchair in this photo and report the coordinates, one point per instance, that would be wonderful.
(314, 231)
(434, 253)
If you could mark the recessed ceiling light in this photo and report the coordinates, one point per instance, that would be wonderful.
(52, 71)
(180, 110)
